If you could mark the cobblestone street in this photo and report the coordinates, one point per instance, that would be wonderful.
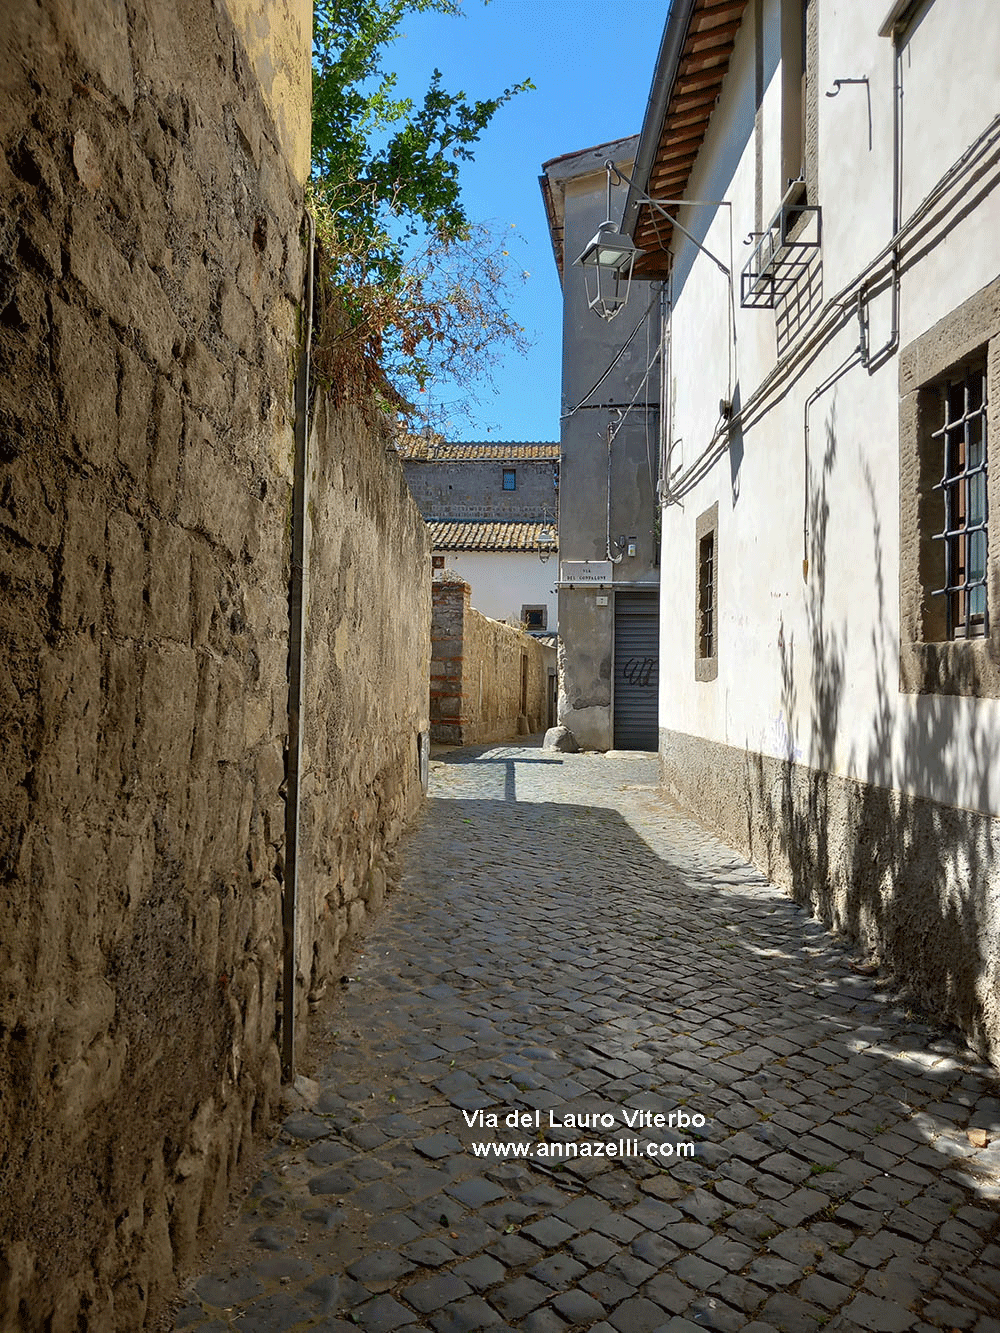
(566, 944)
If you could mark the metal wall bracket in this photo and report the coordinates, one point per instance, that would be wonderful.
(781, 254)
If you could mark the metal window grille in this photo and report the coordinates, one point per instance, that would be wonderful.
(706, 596)
(962, 437)
(509, 479)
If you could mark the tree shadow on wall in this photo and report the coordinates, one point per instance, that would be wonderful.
(904, 876)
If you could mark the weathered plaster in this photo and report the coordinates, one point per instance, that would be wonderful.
(915, 884)
(816, 571)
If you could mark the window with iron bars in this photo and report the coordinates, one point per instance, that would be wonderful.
(706, 609)
(960, 446)
(706, 596)
(949, 569)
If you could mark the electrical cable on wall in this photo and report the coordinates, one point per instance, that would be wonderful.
(615, 559)
(981, 156)
(618, 356)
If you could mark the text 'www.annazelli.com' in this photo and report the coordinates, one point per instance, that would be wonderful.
(565, 1149)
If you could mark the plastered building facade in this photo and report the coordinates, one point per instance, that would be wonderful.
(491, 510)
(608, 537)
(828, 648)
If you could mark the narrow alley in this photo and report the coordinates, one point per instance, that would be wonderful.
(566, 953)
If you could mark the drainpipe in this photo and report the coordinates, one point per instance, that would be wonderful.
(873, 360)
(897, 184)
(855, 358)
(296, 671)
(615, 559)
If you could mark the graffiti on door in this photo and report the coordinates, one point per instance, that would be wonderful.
(639, 671)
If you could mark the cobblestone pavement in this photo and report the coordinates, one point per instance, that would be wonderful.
(565, 943)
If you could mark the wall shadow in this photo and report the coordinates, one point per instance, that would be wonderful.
(675, 973)
(564, 958)
(908, 878)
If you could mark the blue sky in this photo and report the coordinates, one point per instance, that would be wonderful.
(591, 86)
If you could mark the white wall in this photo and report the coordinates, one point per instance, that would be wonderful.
(502, 582)
(808, 665)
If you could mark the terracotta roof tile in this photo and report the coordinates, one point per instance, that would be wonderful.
(693, 60)
(474, 451)
(486, 536)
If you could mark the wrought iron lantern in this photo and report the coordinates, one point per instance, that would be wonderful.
(607, 269)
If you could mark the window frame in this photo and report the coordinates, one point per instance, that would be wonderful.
(964, 468)
(706, 594)
(931, 662)
(510, 472)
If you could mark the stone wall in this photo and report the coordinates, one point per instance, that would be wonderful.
(478, 689)
(367, 673)
(465, 489)
(151, 277)
(914, 883)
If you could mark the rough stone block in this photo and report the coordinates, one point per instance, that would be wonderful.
(169, 582)
(135, 413)
(230, 724)
(169, 693)
(126, 556)
(88, 375)
(121, 708)
(152, 314)
(213, 495)
(41, 244)
(168, 424)
(25, 507)
(100, 35)
(98, 265)
(69, 686)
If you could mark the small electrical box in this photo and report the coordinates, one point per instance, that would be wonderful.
(601, 600)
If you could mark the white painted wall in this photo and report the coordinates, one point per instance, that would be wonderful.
(808, 666)
(501, 582)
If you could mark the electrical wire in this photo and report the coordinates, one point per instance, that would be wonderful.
(833, 311)
(618, 356)
(623, 412)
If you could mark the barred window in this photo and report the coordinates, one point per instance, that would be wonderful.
(949, 571)
(960, 448)
(706, 596)
(706, 619)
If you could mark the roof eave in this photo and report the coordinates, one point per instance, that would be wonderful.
(664, 76)
(696, 50)
(557, 171)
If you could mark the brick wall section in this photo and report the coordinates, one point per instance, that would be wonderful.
(476, 671)
(150, 282)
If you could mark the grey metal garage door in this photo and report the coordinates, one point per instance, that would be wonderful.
(637, 658)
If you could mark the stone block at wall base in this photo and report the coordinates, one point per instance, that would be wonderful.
(910, 880)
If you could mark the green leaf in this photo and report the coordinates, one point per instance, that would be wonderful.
(409, 285)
